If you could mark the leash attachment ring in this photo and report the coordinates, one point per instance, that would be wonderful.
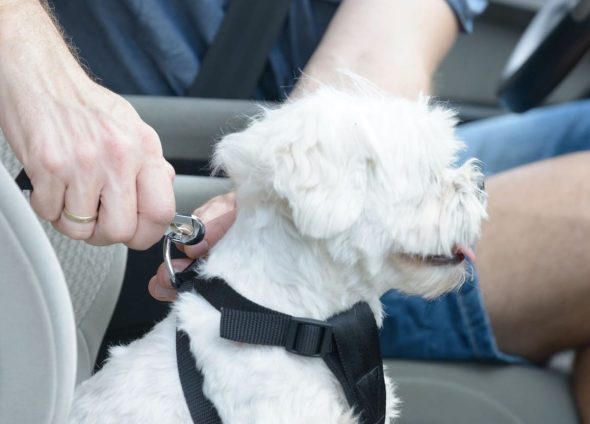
(186, 230)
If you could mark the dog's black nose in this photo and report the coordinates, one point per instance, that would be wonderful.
(481, 184)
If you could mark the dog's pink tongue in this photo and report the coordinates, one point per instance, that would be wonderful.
(467, 252)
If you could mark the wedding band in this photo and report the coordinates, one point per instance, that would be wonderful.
(79, 219)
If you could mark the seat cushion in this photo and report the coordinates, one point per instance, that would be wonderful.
(445, 393)
(94, 275)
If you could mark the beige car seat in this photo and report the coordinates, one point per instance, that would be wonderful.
(37, 327)
(94, 276)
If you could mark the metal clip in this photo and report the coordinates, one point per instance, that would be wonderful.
(187, 230)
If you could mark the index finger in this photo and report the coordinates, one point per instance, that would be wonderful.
(155, 205)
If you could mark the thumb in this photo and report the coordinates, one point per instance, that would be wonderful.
(214, 231)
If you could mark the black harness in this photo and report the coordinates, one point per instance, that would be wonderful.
(347, 342)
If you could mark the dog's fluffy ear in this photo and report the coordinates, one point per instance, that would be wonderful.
(323, 176)
(311, 153)
(325, 197)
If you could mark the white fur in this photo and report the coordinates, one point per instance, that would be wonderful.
(340, 195)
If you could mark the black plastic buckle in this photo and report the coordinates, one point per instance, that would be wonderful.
(293, 331)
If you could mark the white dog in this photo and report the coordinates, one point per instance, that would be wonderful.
(342, 195)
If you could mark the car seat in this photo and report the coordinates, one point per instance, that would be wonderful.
(37, 327)
(94, 275)
(59, 295)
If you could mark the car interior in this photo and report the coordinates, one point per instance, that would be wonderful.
(519, 56)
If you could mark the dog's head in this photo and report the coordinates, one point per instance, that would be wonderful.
(368, 178)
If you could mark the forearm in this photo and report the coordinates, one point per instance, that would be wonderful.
(35, 63)
(396, 44)
(32, 50)
(28, 27)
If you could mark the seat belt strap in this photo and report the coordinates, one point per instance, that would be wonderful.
(23, 181)
(234, 63)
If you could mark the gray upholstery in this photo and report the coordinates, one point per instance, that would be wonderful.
(94, 276)
(38, 336)
(446, 393)
(192, 191)
(187, 127)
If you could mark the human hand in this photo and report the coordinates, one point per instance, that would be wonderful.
(218, 215)
(84, 148)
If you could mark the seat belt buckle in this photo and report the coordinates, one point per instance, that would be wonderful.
(295, 332)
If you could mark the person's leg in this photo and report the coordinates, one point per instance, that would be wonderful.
(581, 386)
(534, 261)
(509, 141)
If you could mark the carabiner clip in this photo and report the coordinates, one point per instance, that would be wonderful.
(184, 229)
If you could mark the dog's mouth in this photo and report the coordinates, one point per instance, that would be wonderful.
(460, 252)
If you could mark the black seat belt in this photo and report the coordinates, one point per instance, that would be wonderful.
(234, 63)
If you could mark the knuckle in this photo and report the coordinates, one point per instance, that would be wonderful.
(150, 141)
(49, 211)
(113, 138)
(44, 212)
(50, 161)
(149, 134)
(119, 233)
(86, 157)
(118, 152)
(169, 169)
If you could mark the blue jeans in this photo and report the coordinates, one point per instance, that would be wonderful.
(456, 326)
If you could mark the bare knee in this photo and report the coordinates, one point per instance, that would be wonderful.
(581, 382)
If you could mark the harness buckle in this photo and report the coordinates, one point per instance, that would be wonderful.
(295, 335)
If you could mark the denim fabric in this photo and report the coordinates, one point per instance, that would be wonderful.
(456, 326)
(156, 47)
(509, 141)
(453, 327)
(466, 11)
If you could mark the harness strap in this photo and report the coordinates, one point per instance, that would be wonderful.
(356, 362)
(201, 409)
(347, 342)
(247, 322)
